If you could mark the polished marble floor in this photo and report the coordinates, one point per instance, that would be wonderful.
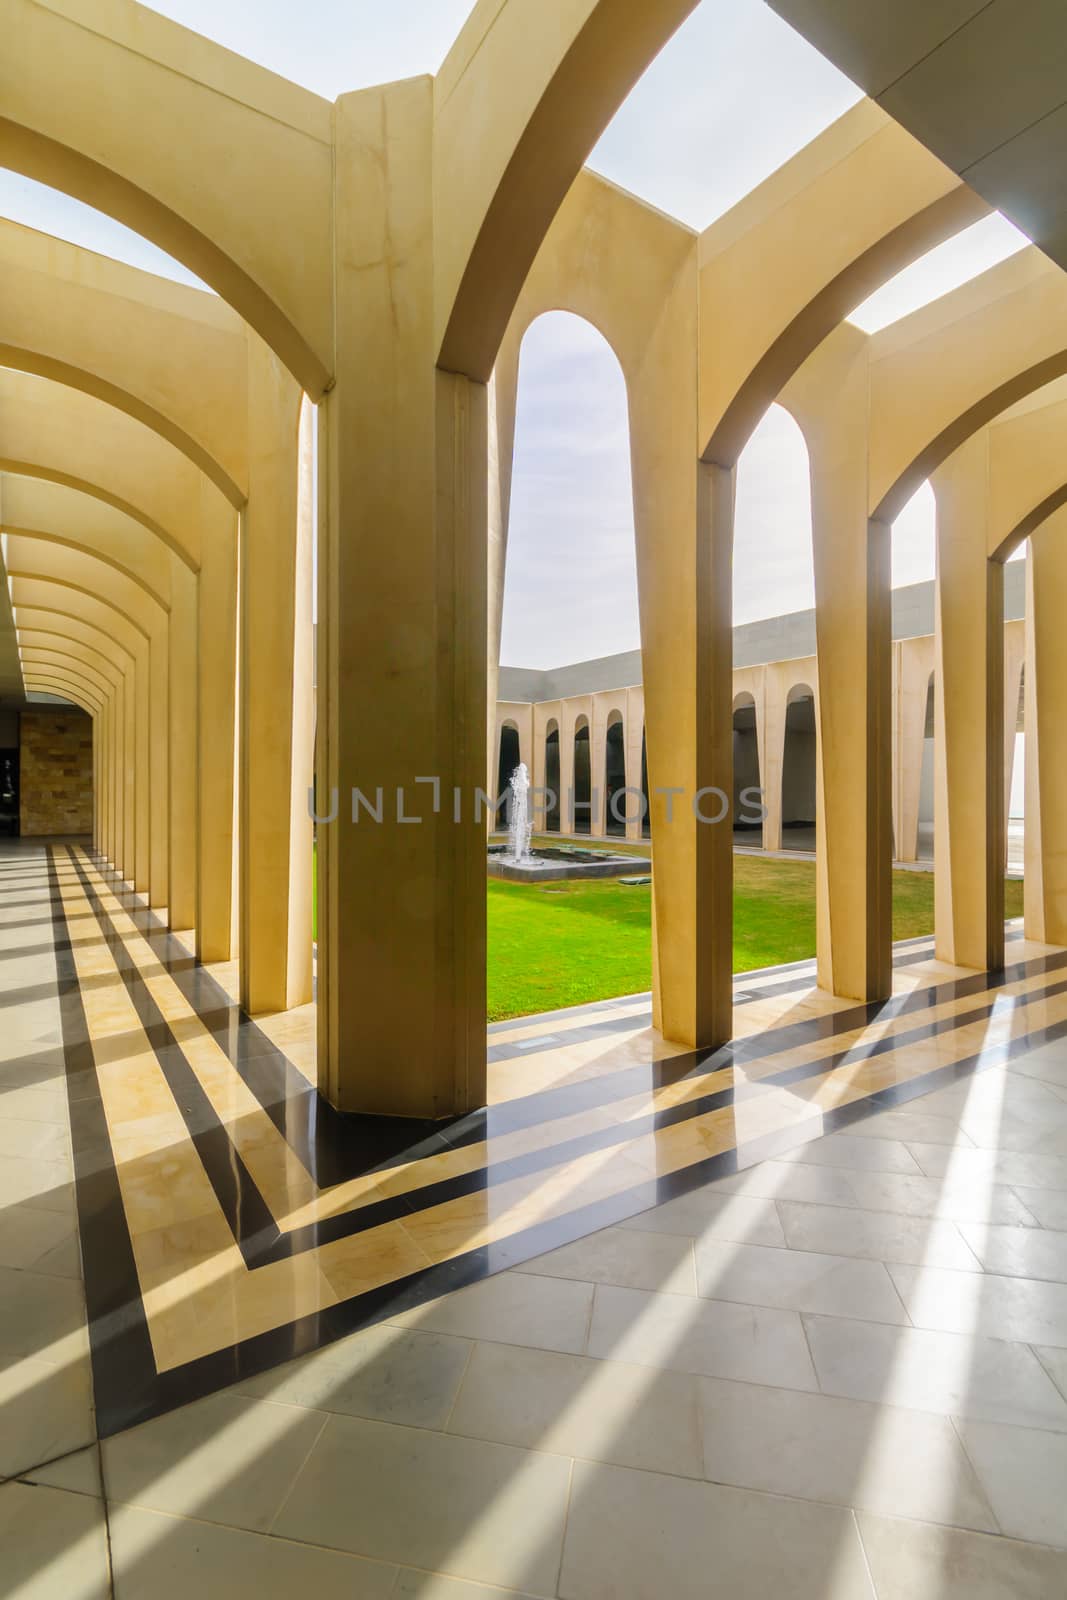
(788, 1319)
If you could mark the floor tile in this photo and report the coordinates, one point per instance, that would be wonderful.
(911, 1125)
(715, 1338)
(644, 1536)
(27, 1233)
(847, 1150)
(1048, 1064)
(876, 1236)
(942, 1197)
(1049, 1206)
(1019, 1252)
(411, 1585)
(78, 1472)
(818, 1447)
(1024, 1473)
(704, 1214)
(513, 1308)
(1026, 1309)
(35, 1102)
(474, 1510)
(35, 1141)
(391, 1374)
(1054, 1362)
(223, 1459)
(156, 1557)
(603, 1410)
(36, 1182)
(54, 1544)
(43, 1316)
(797, 1280)
(659, 1261)
(791, 1180)
(46, 1411)
(915, 1561)
(987, 1167)
(957, 1375)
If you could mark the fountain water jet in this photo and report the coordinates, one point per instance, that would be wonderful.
(521, 864)
(520, 823)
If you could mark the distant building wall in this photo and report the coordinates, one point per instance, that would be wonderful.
(55, 772)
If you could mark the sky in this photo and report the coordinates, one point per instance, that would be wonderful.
(732, 96)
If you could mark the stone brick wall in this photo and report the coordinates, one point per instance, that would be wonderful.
(55, 772)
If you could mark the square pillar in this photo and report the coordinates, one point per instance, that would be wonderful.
(402, 647)
(276, 710)
(183, 738)
(969, 828)
(853, 825)
(216, 658)
(1045, 840)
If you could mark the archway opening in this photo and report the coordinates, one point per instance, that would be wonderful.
(615, 810)
(508, 761)
(747, 821)
(551, 800)
(799, 770)
(646, 821)
(583, 779)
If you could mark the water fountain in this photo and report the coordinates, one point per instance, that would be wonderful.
(520, 823)
(519, 863)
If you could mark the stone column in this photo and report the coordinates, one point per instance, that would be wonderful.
(216, 688)
(402, 642)
(135, 699)
(159, 764)
(969, 712)
(275, 695)
(140, 860)
(853, 704)
(772, 759)
(913, 661)
(183, 738)
(1045, 874)
(1014, 659)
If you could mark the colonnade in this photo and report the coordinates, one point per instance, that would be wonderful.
(379, 258)
(767, 690)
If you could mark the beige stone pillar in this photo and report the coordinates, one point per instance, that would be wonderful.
(216, 688)
(182, 733)
(683, 512)
(128, 774)
(276, 695)
(1015, 645)
(969, 713)
(854, 847)
(1045, 838)
(159, 764)
(913, 662)
(140, 858)
(634, 719)
(402, 639)
(772, 756)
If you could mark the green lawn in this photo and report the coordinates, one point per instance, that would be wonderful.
(565, 943)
